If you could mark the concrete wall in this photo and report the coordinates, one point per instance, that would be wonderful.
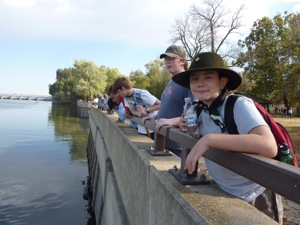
(83, 109)
(129, 186)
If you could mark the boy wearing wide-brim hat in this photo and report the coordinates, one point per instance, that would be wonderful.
(209, 81)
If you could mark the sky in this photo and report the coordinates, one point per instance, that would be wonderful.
(37, 37)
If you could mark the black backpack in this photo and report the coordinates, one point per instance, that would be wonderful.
(281, 135)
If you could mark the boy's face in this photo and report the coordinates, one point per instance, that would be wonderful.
(174, 65)
(122, 92)
(206, 85)
(117, 99)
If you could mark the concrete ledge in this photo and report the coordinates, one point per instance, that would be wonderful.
(132, 187)
(83, 109)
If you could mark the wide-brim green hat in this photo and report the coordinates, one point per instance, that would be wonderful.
(209, 61)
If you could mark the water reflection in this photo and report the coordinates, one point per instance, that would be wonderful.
(42, 164)
(22, 205)
(61, 117)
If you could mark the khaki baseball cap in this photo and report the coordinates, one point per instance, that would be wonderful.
(174, 51)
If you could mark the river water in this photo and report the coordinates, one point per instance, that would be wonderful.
(43, 164)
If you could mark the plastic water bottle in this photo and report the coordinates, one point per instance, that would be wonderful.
(285, 154)
(191, 117)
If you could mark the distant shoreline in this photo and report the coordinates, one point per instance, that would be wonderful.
(17, 94)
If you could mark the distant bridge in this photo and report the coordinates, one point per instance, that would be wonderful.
(26, 97)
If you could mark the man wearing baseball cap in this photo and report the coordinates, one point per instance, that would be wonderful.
(174, 51)
(172, 98)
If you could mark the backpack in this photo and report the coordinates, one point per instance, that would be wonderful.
(280, 133)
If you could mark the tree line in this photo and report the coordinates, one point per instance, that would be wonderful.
(268, 58)
(85, 80)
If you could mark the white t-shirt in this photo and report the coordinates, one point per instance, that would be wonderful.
(144, 98)
(246, 117)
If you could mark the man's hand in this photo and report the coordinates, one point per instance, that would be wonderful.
(167, 122)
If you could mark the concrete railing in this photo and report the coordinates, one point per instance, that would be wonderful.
(83, 108)
(130, 186)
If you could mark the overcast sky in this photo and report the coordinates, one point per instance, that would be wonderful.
(40, 36)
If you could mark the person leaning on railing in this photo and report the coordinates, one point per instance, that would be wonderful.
(139, 102)
(118, 107)
(123, 110)
(172, 98)
(210, 81)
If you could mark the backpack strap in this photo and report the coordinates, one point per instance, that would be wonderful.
(228, 116)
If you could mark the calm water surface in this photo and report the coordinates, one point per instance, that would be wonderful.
(42, 164)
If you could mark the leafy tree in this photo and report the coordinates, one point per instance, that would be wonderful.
(139, 79)
(207, 28)
(293, 76)
(89, 78)
(158, 77)
(62, 89)
(84, 81)
(272, 58)
(111, 75)
(155, 79)
(56, 90)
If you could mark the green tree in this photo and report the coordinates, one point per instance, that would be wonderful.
(111, 75)
(158, 77)
(139, 79)
(89, 79)
(62, 89)
(271, 58)
(293, 77)
(56, 90)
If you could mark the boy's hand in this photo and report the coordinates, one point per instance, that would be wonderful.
(182, 124)
(141, 111)
(196, 152)
(127, 112)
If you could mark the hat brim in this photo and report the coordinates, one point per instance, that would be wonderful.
(234, 79)
(168, 54)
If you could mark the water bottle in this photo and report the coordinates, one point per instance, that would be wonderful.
(190, 115)
(285, 154)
